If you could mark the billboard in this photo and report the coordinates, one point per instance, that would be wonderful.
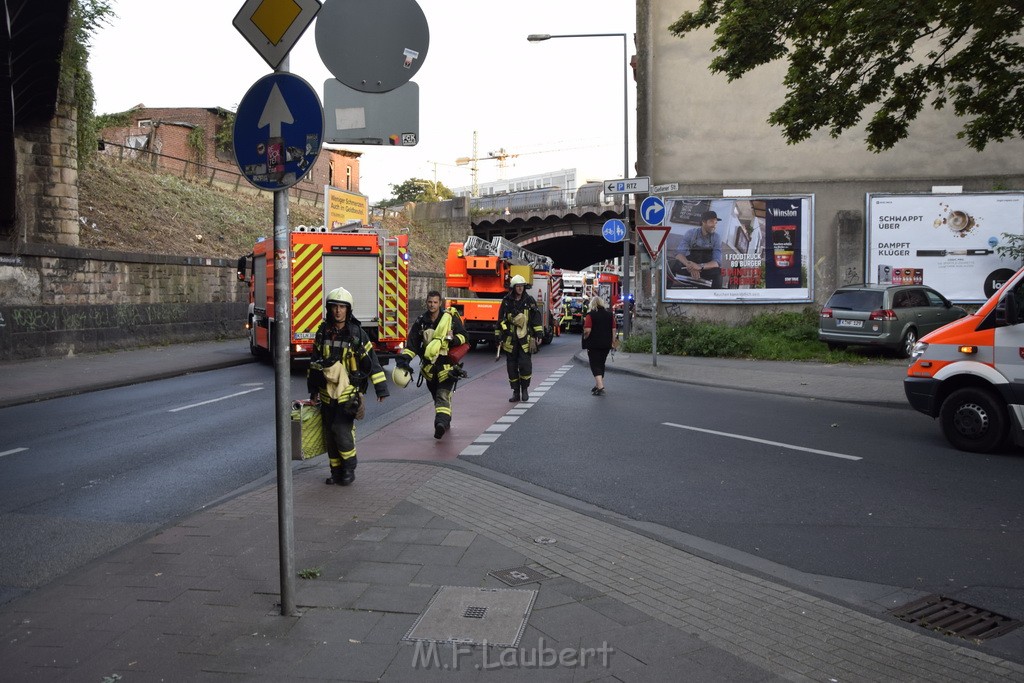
(342, 207)
(755, 250)
(945, 241)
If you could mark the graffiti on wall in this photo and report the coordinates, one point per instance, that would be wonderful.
(75, 318)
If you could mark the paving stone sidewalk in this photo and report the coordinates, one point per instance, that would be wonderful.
(200, 600)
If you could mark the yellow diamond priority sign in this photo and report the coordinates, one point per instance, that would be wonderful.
(273, 27)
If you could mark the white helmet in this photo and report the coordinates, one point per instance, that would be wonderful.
(401, 376)
(339, 295)
(517, 280)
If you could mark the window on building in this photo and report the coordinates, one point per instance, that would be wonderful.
(145, 123)
(348, 177)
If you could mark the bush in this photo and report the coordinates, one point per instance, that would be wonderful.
(786, 335)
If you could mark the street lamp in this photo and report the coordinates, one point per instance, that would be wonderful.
(539, 37)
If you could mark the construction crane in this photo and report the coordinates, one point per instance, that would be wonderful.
(501, 155)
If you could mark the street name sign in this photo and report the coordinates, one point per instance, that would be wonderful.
(273, 27)
(279, 130)
(628, 186)
(666, 188)
(652, 211)
(653, 237)
(613, 230)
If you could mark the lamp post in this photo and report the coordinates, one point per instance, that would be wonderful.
(539, 37)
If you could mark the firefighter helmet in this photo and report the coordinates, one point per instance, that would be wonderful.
(340, 295)
(401, 376)
(517, 280)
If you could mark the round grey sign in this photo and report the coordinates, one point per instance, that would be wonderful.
(372, 46)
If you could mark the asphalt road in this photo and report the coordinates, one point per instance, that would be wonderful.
(838, 490)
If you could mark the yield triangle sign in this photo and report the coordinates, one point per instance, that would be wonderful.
(653, 237)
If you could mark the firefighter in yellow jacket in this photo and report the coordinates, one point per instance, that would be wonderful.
(519, 335)
(433, 336)
(342, 366)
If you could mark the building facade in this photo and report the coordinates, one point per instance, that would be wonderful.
(708, 135)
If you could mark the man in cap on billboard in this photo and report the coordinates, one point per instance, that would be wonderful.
(698, 259)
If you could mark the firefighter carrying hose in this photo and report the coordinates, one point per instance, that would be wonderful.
(434, 335)
(341, 367)
(519, 334)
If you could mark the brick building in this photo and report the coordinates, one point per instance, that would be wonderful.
(186, 140)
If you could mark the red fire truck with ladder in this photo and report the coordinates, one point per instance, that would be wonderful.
(366, 261)
(477, 273)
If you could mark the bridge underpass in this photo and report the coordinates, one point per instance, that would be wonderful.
(572, 241)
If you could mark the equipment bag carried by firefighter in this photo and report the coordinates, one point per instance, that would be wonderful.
(307, 431)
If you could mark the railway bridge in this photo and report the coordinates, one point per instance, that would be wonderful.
(563, 225)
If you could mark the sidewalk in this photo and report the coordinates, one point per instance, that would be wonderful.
(407, 565)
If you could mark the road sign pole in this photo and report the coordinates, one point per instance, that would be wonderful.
(282, 390)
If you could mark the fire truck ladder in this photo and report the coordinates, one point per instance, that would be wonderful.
(389, 321)
(500, 245)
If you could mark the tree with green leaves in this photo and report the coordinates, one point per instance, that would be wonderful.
(87, 16)
(418, 190)
(881, 59)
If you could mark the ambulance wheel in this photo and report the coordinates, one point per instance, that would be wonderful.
(974, 420)
(907, 345)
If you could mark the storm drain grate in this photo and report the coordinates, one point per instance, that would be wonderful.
(475, 612)
(517, 576)
(953, 618)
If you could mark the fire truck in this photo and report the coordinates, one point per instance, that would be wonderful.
(477, 272)
(372, 265)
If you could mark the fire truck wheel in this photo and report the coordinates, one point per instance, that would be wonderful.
(974, 420)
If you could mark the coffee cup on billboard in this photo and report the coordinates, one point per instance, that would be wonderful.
(960, 221)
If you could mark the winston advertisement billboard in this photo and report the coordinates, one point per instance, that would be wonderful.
(738, 250)
(945, 241)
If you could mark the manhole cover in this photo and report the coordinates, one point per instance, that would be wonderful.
(953, 618)
(457, 614)
(517, 576)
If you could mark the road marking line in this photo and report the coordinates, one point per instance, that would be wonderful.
(491, 434)
(12, 451)
(214, 400)
(764, 441)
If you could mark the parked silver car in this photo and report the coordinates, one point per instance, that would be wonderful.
(891, 316)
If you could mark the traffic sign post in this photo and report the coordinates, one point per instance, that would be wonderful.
(279, 129)
(652, 211)
(613, 230)
(273, 28)
(640, 185)
(653, 235)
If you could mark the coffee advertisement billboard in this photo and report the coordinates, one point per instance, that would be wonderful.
(950, 242)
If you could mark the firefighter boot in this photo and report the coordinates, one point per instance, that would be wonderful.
(438, 429)
(523, 384)
(348, 471)
(515, 392)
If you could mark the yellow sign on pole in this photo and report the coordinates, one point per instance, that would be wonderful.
(342, 207)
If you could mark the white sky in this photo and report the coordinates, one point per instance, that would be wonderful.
(557, 104)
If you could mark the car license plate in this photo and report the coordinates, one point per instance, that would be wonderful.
(849, 323)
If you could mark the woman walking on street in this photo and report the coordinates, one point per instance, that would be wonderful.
(598, 339)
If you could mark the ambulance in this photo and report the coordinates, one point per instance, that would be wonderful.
(970, 373)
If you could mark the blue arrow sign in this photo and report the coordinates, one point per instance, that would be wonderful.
(279, 129)
(652, 211)
(613, 230)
